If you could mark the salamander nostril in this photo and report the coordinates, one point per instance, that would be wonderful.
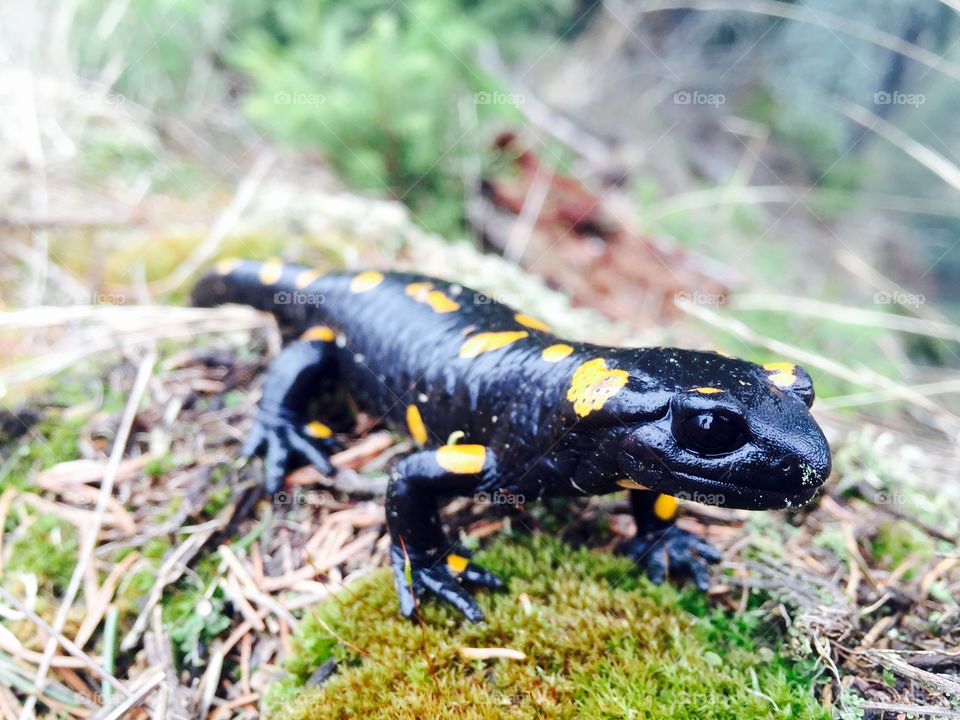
(789, 467)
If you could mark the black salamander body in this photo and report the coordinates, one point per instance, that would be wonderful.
(497, 404)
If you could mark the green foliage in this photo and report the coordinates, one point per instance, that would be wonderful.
(391, 93)
(600, 642)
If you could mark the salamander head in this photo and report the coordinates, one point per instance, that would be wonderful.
(726, 432)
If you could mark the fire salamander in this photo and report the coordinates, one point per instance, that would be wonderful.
(497, 404)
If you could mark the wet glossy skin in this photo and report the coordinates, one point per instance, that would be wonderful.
(499, 405)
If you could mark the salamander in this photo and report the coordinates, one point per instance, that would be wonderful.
(499, 406)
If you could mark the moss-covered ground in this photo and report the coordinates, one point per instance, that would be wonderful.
(599, 642)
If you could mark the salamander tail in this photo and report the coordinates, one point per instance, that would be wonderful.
(272, 286)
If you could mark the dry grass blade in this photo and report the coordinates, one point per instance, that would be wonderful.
(98, 607)
(137, 697)
(943, 387)
(65, 643)
(826, 20)
(834, 312)
(948, 422)
(108, 328)
(207, 249)
(90, 537)
(929, 158)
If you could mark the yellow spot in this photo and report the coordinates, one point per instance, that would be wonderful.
(531, 322)
(706, 390)
(440, 302)
(319, 332)
(317, 429)
(457, 563)
(366, 281)
(418, 431)
(225, 267)
(592, 384)
(782, 374)
(417, 290)
(423, 292)
(556, 353)
(629, 484)
(306, 278)
(487, 341)
(665, 507)
(462, 459)
(271, 272)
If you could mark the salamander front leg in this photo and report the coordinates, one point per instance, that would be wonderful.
(660, 545)
(421, 557)
(283, 432)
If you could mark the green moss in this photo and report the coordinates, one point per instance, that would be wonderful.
(895, 541)
(48, 549)
(156, 548)
(599, 641)
(51, 441)
(219, 497)
(157, 467)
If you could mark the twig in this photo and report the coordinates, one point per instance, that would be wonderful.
(136, 698)
(938, 712)
(90, 537)
(892, 661)
(224, 710)
(307, 572)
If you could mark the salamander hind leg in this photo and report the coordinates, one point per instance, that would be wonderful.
(284, 433)
(422, 559)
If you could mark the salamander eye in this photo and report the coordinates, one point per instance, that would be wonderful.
(711, 433)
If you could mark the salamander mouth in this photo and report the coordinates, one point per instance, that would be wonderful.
(651, 471)
(728, 494)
